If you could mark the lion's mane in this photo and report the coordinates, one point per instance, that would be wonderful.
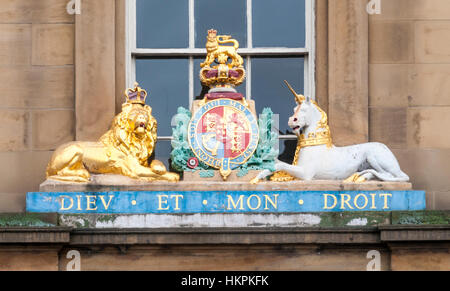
(122, 134)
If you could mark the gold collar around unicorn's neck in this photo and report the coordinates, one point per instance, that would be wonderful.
(315, 138)
(321, 136)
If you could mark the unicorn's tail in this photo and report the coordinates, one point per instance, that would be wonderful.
(389, 177)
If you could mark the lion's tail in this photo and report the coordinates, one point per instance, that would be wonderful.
(233, 41)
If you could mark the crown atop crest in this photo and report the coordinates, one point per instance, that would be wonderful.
(136, 95)
(229, 71)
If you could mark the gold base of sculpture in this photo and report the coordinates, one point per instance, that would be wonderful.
(281, 177)
(355, 178)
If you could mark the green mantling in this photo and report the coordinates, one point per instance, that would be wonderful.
(181, 151)
(267, 151)
(263, 158)
(206, 173)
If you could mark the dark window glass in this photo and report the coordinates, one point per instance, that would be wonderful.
(167, 85)
(162, 152)
(278, 23)
(162, 23)
(269, 90)
(168, 88)
(227, 17)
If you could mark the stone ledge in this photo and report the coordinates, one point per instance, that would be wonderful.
(104, 183)
(248, 236)
(395, 233)
(328, 228)
(208, 236)
(349, 235)
(228, 236)
(34, 235)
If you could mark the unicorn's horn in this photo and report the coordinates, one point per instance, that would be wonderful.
(298, 97)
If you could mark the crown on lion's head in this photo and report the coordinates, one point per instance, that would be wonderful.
(136, 95)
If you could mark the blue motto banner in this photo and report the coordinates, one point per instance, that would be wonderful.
(224, 202)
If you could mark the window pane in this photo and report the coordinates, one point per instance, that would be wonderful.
(162, 152)
(227, 17)
(269, 90)
(199, 91)
(279, 23)
(167, 83)
(162, 23)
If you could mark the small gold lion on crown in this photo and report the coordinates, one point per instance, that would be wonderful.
(215, 50)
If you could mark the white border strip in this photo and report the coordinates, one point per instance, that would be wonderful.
(248, 89)
(310, 42)
(260, 220)
(191, 82)
(248, 84)
(249, 24)
(191, 25)
(130, 34)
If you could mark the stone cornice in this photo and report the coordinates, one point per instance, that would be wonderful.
(34, 235)
(227, 236)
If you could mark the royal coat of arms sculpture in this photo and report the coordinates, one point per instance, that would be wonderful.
(223, 132)
(222, 138)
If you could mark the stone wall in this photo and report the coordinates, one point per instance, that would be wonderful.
(37, 93)
(409, 84)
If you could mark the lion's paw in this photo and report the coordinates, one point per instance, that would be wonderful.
(172, 177)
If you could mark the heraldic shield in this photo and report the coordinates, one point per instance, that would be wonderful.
(223, 134)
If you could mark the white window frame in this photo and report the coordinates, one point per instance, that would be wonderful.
(307, 52)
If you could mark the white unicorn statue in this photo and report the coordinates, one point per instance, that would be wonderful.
(316, 157)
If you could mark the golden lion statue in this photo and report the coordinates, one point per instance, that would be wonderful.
(125, 149)
(214, 50)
